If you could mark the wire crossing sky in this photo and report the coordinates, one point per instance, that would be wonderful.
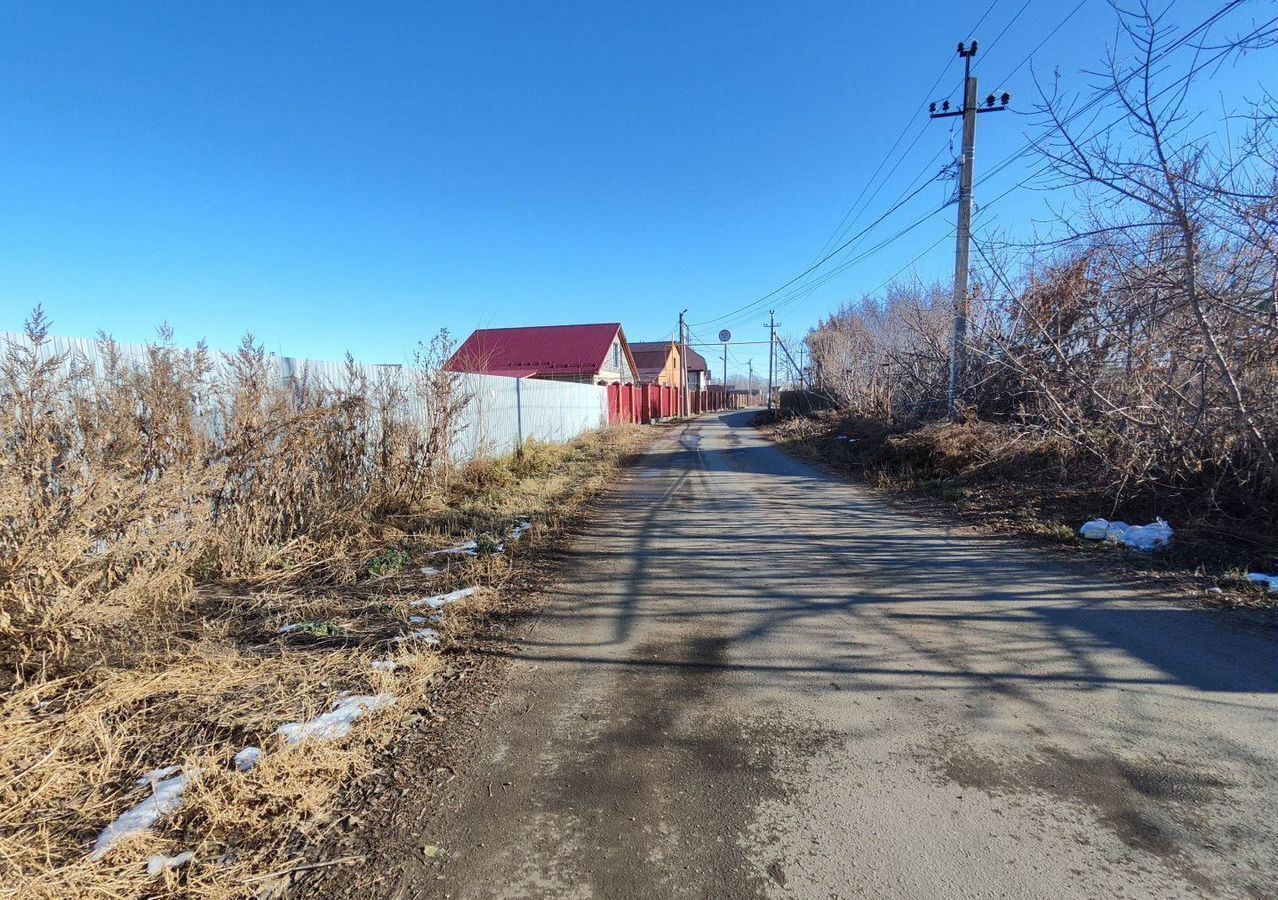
(355, 177)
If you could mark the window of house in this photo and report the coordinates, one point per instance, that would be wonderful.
(616, 356)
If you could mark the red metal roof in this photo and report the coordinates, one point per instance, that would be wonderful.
(536, 350)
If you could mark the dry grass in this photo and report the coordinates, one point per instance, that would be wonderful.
(148, 565)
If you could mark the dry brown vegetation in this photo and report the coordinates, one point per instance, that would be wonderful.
(1131, 361)
(997, 477)
(160, 524)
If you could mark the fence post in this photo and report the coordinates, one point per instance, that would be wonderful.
(519, 415)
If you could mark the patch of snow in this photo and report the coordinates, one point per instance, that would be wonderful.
(165, 799)
(1146, 538)
(337, 722)
(520, 530)
(429, 571)
(691, 441)
(150, 779)
(425, 635)
(416, 620)
(441, 600)
(470, 548)
(289, 629)
(247, 758)
(1270, 580)
(157, 864)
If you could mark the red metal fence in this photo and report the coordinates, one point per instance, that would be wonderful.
(640, 404)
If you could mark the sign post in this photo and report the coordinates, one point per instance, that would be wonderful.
(725, 335)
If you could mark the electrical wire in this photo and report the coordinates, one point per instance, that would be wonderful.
(854, 213)
(793, 292)
(1010, 23)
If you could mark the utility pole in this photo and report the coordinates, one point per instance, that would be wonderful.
(725, 371)
(750, 381)
(772, 340)
(962, 303)
(683, 365)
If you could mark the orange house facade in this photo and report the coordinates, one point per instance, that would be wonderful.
(658, 363)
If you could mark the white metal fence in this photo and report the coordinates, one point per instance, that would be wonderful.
(501, 412)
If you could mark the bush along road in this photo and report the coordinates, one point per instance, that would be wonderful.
(753, 679)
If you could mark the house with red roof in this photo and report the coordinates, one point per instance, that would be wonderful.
(586, 354)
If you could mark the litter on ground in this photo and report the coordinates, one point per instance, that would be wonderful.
(1145, 538)
(157, 864)
(439, 601)
(247, 758)
(166, 797)
(1271, 581)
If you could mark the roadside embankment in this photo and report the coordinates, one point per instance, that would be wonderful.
(1014, 480)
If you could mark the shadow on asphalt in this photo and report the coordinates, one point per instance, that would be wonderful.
(799, 554)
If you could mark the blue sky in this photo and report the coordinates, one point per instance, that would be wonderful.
(356, 177)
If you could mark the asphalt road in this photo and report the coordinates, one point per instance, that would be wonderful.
(756, 680)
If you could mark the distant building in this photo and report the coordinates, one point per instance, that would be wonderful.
(658, 362)
(698, 371)
(587, 354)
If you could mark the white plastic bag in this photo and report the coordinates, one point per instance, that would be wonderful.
(1146, 538)
(1103, 530)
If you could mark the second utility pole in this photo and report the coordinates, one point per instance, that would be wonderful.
(962, 304)
(772, 338)
(683, 365)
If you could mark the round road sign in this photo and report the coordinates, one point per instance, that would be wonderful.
(725, 335)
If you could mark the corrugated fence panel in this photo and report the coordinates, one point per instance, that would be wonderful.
(500, 410)
(555, 411)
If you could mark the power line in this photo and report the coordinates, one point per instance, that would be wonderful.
(819, 262)
(854, 213)
(804, 291)
(793, 293)
(1010, 23)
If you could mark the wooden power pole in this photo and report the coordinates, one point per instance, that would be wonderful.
(683, 365)
(962, 303)
(772, 340)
